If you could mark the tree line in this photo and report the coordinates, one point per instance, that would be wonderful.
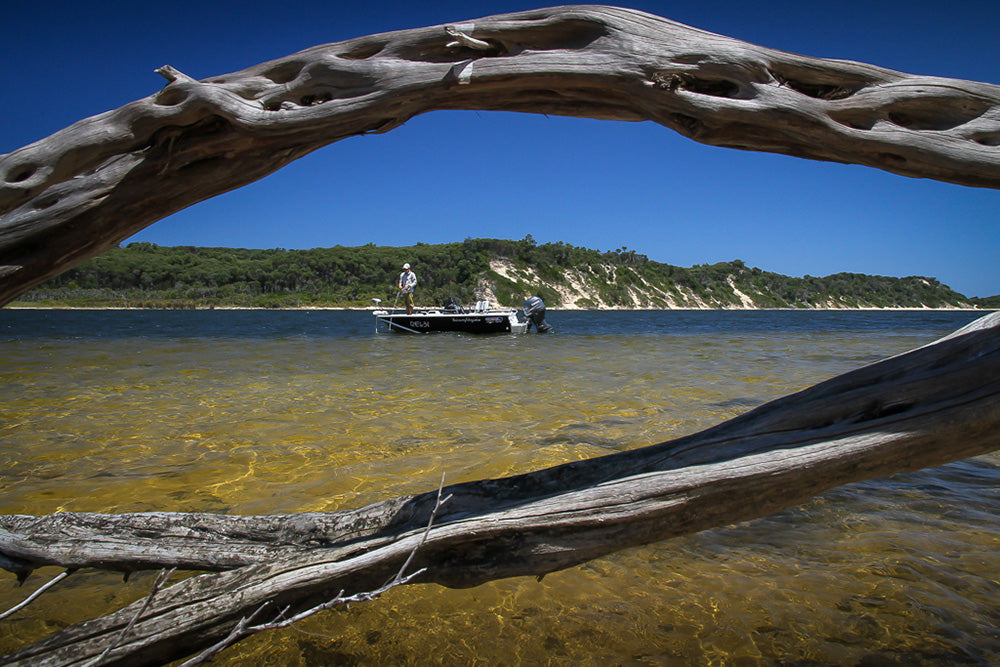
(147, 275)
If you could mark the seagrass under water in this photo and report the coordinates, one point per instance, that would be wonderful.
(246, 412)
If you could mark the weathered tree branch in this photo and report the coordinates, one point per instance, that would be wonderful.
(244, 626)
(933, 405)
(72, 195)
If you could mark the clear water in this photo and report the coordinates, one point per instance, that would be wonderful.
(286, 411)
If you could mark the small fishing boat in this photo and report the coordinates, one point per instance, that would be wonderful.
(481, 319)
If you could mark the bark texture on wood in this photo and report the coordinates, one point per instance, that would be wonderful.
(78, 192)
(933, 405)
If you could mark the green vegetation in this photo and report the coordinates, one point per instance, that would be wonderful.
(145, 275)
(986, 302)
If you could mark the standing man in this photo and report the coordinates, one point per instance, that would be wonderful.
(407, 281)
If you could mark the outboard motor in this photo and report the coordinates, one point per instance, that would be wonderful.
(534, 310)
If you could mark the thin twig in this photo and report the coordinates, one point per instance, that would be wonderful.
(437, 505)
(398, 580)
(161, 579)
(238, 631)
(41, 589)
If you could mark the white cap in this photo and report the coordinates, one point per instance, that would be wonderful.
(406, 266)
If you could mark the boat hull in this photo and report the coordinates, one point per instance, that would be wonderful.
(434, 322)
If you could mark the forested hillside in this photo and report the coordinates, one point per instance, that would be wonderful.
(146, 275)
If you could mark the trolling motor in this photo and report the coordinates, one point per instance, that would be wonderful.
(534, 310)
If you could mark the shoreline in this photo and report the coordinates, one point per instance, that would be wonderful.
(556, 309)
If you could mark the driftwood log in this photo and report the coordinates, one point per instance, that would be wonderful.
(82, 190)
(70, 196)
(933, 405)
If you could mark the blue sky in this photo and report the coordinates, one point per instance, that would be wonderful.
(597, 184)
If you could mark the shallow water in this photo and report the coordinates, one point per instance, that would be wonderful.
(266, 412)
